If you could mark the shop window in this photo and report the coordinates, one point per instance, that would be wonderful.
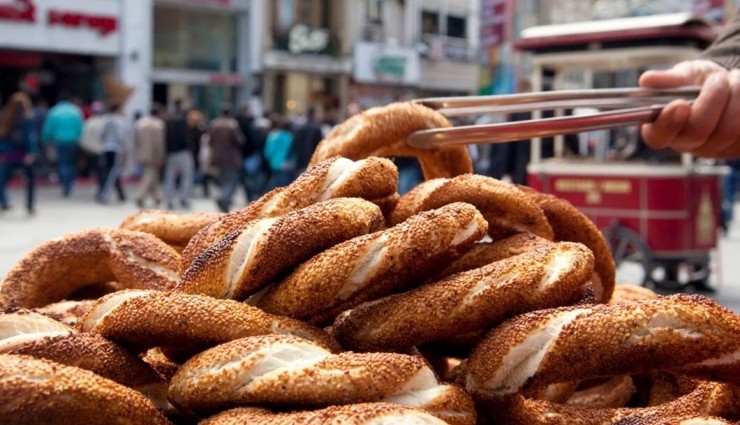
(429, 22)
(194, 39)
(304, 26)
(456, 26)
(374, 11)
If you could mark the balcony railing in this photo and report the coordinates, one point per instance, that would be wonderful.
(441, 47)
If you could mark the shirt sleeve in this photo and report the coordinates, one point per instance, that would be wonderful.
(726, 48)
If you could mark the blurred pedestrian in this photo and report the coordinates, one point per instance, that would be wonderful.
(196, 130)
(63, 128)
(92, 137)
(226, 155)
(149, 148)
(277, 154)
(306, 138)
(179, 160)
(249, 149)
(18, 147)
(115, 145)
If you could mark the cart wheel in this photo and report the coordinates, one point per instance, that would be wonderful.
(633, 260)
(682, 275)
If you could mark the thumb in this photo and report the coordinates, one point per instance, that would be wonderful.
(664, 79)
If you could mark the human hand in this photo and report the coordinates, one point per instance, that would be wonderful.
(709, 127)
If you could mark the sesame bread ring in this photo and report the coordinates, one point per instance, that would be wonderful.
(382, 131)
(57, 268)
(612, 393)
(628, 292)
(286, 371)
(33, 334)
(147, 319)
(36, 391)
(350, 414)
(577, 343)
(246, 260)
(708, 398)
(485, 253)
(469, 301)
(173, 228)
(375, 265)
(67, 312)
(507, 209)
(569, 224)
(373, 179)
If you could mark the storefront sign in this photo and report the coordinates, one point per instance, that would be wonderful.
(302, 39)
(376, 63)
(18, 10)
(82, 27)
(104, 25)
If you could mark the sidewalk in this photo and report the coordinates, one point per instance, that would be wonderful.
(57, 216)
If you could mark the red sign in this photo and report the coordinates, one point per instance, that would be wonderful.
(18, 10)
(102, 24)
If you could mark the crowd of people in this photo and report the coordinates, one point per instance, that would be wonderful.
(173, 152)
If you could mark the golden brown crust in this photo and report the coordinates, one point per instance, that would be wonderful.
(281, 370)
(469, 301)
(507, 209)
(350, 414)
(161, 364)
(55, 269)
(629, 293)
(676, 332)
(146, 319)
(375, 265)
(485, 253)
(371, 179)
(382, 131)
(246, 260)
(35, 391)
(172, 227)
(569, 224)
(612, 393)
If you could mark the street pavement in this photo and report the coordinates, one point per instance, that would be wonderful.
(56, 216)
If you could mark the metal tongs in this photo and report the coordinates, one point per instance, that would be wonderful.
(623, 107)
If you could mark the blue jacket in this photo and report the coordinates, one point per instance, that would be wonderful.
(63, 125)
(277, 149)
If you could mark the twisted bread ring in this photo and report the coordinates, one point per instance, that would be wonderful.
(382, 131)
(58, 267)
(628, 293)
(281, 370)
(374, 179)
(146, 319)
(350, 414)
(469, 301)
(708, 398)
(485, 253)
(375, 265)
(687, 333)
(246, 260)
(173, 228)
(569, 224)
(507, 209)
(67, 312)
(30, 333)
(36, 391)
(614, 392)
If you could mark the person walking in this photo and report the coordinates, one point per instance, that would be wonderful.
(306, 138)
(179, 160)
(92, 137)
(18, 147)
(115, 144)
(277, 154)
(226, 141)
(196, 130)
(149, 148)
(63, 127)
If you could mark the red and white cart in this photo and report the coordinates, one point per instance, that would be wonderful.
(661, 219)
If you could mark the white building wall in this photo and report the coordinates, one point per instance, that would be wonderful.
(135, 61)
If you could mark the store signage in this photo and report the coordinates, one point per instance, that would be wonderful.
(104, 25)
(18, 10)
(377, 63)
(302, 39)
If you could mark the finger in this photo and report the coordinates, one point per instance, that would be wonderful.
(706, 112)
(727, 130)
(663, 79)
(661, 132)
